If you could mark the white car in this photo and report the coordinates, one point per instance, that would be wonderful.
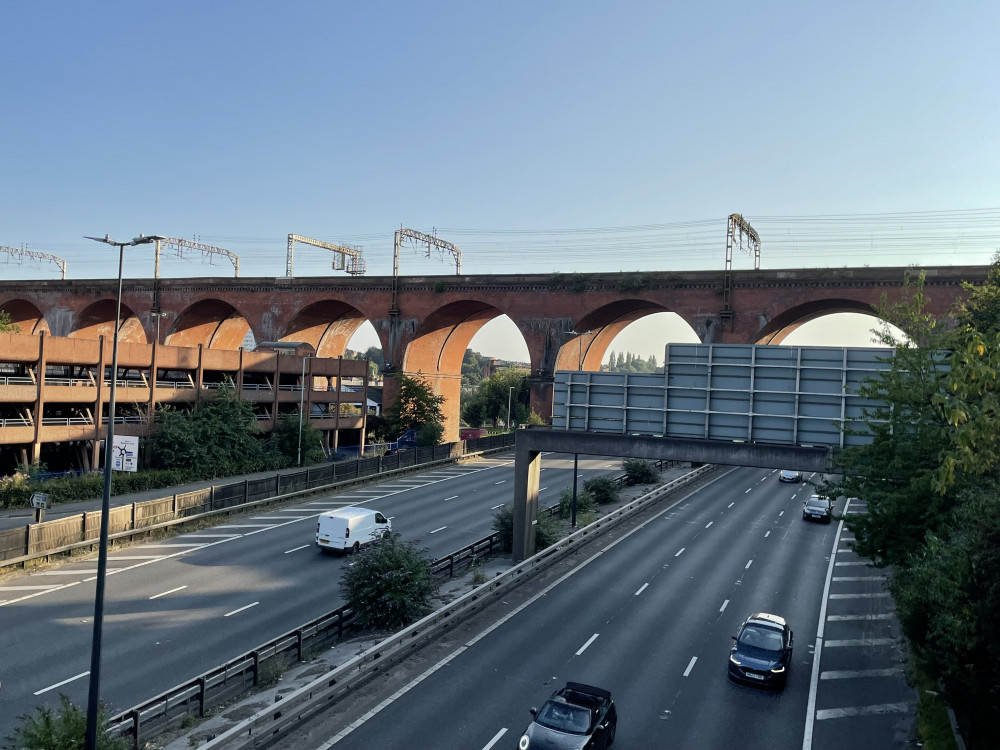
(787, 475)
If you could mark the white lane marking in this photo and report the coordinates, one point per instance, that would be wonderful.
(847, 642)
(747, 490)
(500, 482)
(116, 558)
(172, 591)
(849, 674)
(496, 738)
(749, 563)
(807, 735)
(679, 551)
(852, 562)
(709, 524)
(543, 489)
(848, 618)
(437, 530)
(730, 505)
(245, 526)
(781, 514)
(497, 506)
(450, 498)
(641, 589)
(296, 549)
(84, 571)
(30, 588)
(585, 645)
(241, 609)
(690, 665)
(858, 596)
(724, 605)
(835, 578)
(874, 710)
(767, 534)
(60, 684)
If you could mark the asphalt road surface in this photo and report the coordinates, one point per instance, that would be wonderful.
(177, 607)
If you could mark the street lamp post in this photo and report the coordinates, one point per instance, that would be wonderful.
(572, 512)
(510, 395)
(158, 314)
(93, 697)
(581, 334)
(302, 405)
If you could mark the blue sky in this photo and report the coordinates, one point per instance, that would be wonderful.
(240, 122)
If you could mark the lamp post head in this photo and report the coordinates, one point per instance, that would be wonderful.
(144, 240)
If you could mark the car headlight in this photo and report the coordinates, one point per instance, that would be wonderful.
(522, 744)
(777, 670)
(734, 660)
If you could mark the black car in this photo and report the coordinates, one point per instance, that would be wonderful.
(762, 654)
(576, 717)
(818, 508)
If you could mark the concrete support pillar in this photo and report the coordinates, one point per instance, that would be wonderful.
(527, 470)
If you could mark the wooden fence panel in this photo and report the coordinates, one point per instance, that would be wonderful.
(12, 543)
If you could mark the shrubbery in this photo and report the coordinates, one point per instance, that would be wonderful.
(63, 729)
(604, 490)
(389, 585)
(585, 503)
(639, 471)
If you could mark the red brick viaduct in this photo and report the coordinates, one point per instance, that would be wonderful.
(425, 324)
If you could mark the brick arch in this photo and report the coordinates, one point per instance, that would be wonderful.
(328, 325)
(210, 322)
(26, 316)
(437, 348)
(98, 319)
(605, 323)
(781, 326)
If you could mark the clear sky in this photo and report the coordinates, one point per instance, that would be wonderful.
(537, 136)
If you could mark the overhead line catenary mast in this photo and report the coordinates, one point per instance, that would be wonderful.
(182, 245)
(23, 252)
(345, 257)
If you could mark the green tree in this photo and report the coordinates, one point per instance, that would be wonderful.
(415, 406)
(389, 585)
(489, 403)
(284, 441)
(473, 364)
(62, 729)
(931, 482)
(5, 325)
(219, 438)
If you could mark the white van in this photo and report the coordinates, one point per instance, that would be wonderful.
(349, 528)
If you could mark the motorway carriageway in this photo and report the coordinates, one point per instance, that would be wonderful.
(648, 612)
(177, 607)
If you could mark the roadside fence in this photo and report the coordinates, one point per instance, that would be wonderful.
(35, 541)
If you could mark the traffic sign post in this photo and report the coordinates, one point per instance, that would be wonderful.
(40, 502)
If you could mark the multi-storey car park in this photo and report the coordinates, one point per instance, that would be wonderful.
(54, 393)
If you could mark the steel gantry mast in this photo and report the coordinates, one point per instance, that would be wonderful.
(182, 245)
(345, 257)
(739, 234)
(22, 252)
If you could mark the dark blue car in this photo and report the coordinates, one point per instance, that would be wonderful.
(762, 654)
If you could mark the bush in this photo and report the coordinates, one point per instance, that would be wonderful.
(390, 585)
(604, 490)
(548, 531)
(639, 471)
(584, 503)
(503, 524)
(64, 729)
